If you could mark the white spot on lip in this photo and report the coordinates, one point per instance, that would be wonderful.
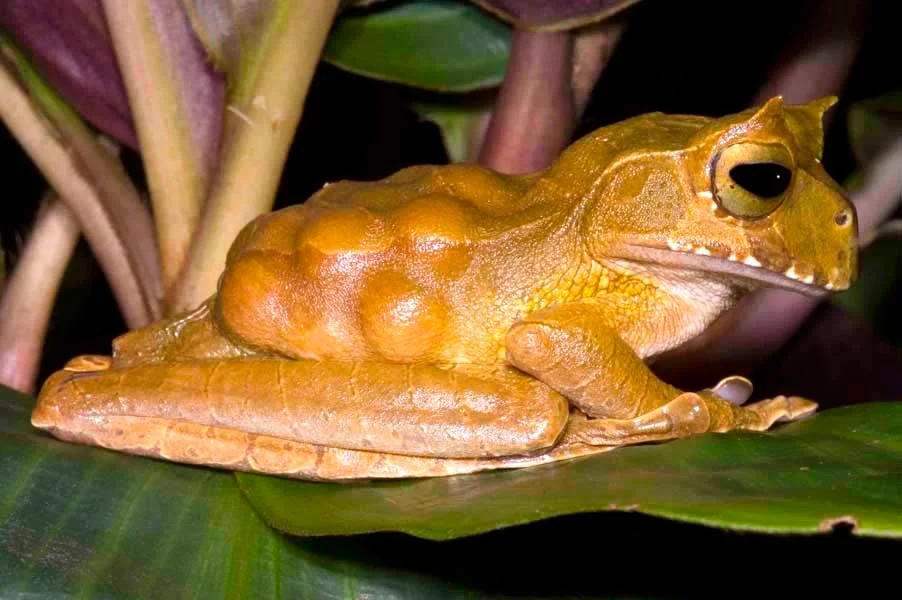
(751, 261)
(791, 272)
(704, 194)
(673, 245)
(733, 257)
(828, 285)
(809, 279)
(703, 251)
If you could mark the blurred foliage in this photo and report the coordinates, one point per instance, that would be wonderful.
(873, 124)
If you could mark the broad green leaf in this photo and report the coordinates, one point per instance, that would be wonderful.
(443, 45)
(77, 521)
(844, 463)
(460, 119)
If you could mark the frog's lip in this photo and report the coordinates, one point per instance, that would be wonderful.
(748, 268)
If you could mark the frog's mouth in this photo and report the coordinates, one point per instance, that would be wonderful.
(801, 279)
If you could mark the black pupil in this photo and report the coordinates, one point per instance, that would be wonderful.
(766, 180)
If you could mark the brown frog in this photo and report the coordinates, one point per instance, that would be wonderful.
(451, 319)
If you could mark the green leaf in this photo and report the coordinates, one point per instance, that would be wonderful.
(443, 45)
(798, 478)
(81, 521)
(461, 120)
(78, 521)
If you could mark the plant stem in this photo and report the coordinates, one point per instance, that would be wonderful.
(128, 215)
(263, 114)
(534, 115)
(155, 47)
(30, 293)
(58, 165)
(592, 50)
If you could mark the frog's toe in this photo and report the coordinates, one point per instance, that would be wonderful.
(735, 389)
(794, 408)
(763, 415)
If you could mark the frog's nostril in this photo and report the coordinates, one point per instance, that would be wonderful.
(842, 218)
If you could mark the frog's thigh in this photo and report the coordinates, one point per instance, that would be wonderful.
(419, 410)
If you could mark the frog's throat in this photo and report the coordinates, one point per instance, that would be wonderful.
(748, 269)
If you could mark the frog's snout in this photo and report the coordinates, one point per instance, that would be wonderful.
(846, 271)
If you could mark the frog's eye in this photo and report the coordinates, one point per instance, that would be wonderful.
(751, 180)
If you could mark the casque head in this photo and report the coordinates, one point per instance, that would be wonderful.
(744, 195)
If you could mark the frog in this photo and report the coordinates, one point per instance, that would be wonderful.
(451, 319)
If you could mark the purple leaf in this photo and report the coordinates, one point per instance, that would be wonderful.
(557, 14)
(70, 45)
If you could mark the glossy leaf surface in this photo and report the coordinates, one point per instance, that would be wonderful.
(77, 521)
(798, 478)
(443, 45)
(82, 522)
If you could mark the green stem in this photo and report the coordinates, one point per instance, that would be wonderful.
(30, 293)
(57, 159)
(176, 175)
(262, 117)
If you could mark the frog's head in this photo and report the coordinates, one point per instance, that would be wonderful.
(744, 196)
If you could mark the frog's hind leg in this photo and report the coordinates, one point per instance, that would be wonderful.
(252, 412)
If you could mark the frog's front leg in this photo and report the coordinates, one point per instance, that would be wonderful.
(464, 411)
(572, 350)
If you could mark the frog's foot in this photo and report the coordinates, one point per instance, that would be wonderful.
(690, 414)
